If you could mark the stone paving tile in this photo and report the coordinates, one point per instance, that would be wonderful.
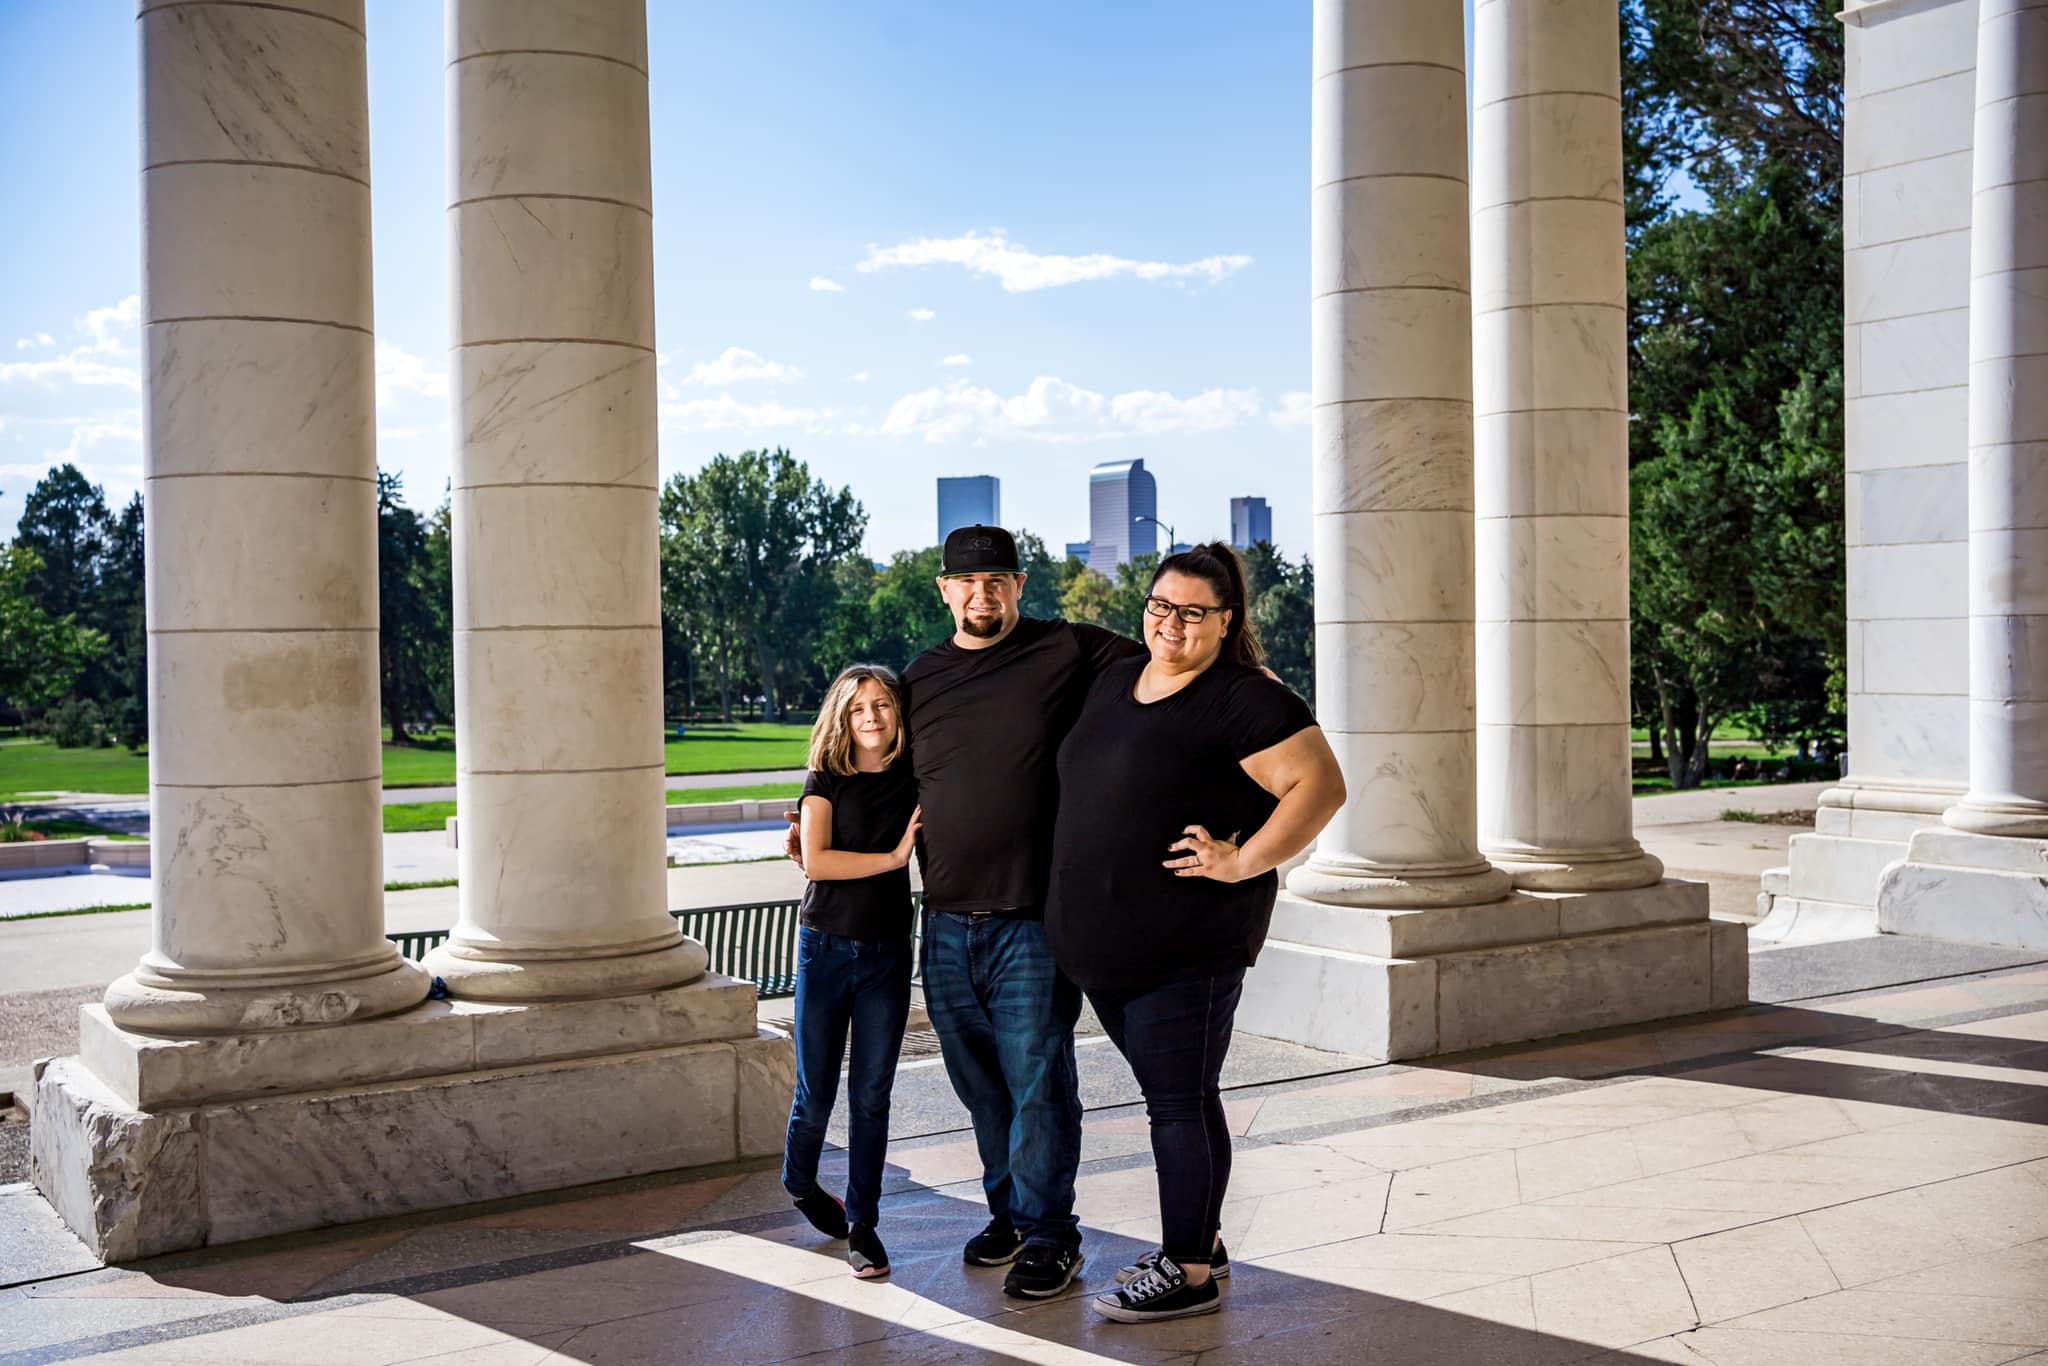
(1715, 1346)
(1952, 1318)
(1427, 1195)
(34, 1243)
(1753, 1268)
(2017, 1273)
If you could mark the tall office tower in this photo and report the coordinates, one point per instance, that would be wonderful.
(1119, 493)
(969, 500)
(1251, 521)
(1077, 550)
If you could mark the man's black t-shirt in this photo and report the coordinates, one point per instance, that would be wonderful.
(869, 812)
(1133, 776)
(985, 729)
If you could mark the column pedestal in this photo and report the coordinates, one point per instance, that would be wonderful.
(1392, 984)
(1977, 889)
(1828, 888)
(148, 1145)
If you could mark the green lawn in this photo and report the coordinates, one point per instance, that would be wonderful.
(408, 816)
(37, 767)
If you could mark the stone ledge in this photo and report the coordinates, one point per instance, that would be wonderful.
(1523, 918)
(434, 1038)
(1970, 889)
(134, 1183)
(1387, 1006)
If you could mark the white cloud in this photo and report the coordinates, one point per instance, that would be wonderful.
(958, 358)
(859, 377)
(1053, 410)
(106, 361)
(1021, 271)
(111, 327)
(821, 285)
(724, 412)
(737, 365)
(401, 372)
(923, 315)
(1292, 412)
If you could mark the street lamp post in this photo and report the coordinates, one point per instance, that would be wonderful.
(1171, 539)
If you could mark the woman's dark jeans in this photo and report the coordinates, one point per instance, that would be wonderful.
(863, 985)
(1175, 1037)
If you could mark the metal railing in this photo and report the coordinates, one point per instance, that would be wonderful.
(754, 941)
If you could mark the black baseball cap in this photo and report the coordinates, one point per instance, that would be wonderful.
(981, 549)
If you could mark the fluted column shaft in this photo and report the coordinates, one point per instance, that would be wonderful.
(2009, 427)
(1550, 411)
(266, 878)
(557, 609)
(1392, 449)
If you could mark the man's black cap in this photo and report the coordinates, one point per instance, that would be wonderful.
(981, 549)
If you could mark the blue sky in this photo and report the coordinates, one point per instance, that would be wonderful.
(902, 239)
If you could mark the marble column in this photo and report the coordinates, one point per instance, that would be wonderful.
(2008, 793)
(266, 879)
(557, 611)
(1391, 367)
(1550, 394)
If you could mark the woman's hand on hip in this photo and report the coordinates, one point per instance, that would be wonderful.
(1205, 856)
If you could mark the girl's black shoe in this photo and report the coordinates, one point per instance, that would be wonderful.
(1162, 1292)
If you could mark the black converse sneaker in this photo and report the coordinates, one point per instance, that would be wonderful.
(826, 1213)
(1162, 1292)
(865, 1253)
(1219, 1265)
(996, 1245)
(1041, 1272)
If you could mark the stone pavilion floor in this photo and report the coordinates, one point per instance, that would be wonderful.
(1861, 1177)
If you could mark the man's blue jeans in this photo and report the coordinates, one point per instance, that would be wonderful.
(1005, 1016)
(863, 985)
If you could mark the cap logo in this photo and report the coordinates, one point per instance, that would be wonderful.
(983, 543)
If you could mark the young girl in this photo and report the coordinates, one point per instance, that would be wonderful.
(859, 826)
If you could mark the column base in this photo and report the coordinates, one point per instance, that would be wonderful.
(1344, 884)
(1828, 888)
(1968, 888)
(169, 1001)
(147, 1145)
(1391, 984)
(514, 979)
(2007, 820)
(1539, 870)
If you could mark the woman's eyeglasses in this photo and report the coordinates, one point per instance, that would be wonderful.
(1194, 614)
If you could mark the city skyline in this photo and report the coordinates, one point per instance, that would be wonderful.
(1123, 514)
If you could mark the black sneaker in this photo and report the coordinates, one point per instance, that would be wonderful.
(865, 1253)
(1219, 1265)
(1162, 1292)
(826, 1213)
(1041, 1272)
(996, 1245)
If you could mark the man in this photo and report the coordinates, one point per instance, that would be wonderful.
(987, 710)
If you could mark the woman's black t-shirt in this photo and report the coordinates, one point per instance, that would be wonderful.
(1133, 776)
(869, 811)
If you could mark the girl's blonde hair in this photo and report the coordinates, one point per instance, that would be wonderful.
(832, 733)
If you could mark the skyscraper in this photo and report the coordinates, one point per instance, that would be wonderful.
(1078, 550)
(969, 500)
(1119, 493)
(1251, 521)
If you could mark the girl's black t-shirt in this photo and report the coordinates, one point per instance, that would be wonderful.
(869, 811)
(1133, 776)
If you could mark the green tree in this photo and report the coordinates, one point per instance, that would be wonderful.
(407, 628)
(64, 522)
(1284, 610)
(750, 546)
(434, 575)
(1735, 369)
(119, 612)
(41, 656)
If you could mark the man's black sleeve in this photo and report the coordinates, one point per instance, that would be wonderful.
(1102, 648)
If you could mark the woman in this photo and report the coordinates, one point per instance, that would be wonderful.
(1189, 777)
(859, 827)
